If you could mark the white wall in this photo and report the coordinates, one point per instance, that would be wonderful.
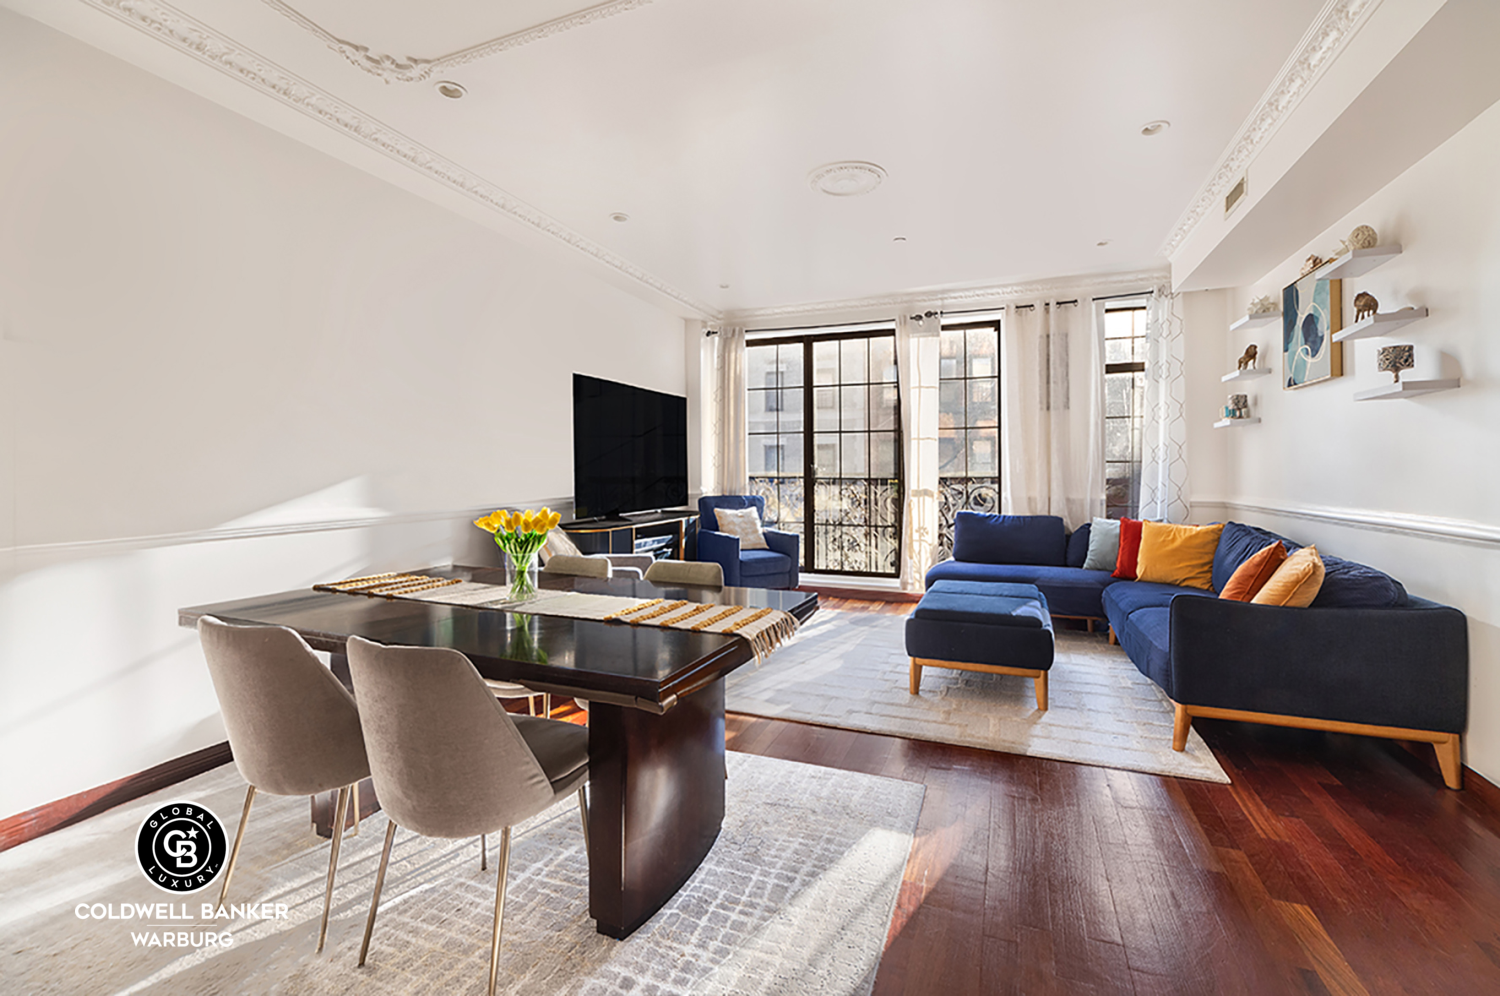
(212, 338)
(1409, 486)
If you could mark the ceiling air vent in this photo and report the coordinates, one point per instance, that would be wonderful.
(1236, 195)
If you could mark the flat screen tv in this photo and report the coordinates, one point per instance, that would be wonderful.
(629, 449)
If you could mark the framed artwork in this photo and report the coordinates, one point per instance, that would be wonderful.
(1311, 312)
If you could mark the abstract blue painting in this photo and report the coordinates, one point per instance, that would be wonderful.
(1311, 312)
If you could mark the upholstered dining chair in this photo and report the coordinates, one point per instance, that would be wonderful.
(583, 567)
(774, 567)
(560, 544)
(293, 727)
(705, 574)
(449, 762)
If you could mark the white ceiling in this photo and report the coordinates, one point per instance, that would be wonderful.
(1010, 129)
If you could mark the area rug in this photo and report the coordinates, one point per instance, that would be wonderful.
(850, 670)
(795, 897)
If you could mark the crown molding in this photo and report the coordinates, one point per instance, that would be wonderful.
(195, 39)
(412, 69)
(1331, 30)
(1094, 285)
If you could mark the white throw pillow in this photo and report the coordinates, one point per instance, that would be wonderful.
(744, 523)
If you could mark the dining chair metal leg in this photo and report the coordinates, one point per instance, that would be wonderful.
(484, 853)
(583, 814)
(239, 837)
(354, 801)
(340, 812)
(385, 857)
(499, 908)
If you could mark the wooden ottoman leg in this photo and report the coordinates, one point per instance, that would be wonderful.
(1041, 691)
(1181, 724)
(916, 676)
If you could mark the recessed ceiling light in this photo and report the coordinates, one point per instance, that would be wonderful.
(846, 179)
(723, 287)
(619, 216)
(1103, 242)
(449, 89)
(1155, 127)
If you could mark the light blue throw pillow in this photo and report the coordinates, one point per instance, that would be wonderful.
(1104, 545)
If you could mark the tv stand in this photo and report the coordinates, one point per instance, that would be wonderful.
(639, 533)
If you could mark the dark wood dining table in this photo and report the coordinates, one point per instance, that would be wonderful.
(656, 707)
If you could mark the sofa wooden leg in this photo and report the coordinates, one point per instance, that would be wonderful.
(1113, 640)
(1451, 760)
(1181, 724)
(1090, 622)
(1041, 691)
(916, 676)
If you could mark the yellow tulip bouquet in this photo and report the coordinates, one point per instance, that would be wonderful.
(520, 535)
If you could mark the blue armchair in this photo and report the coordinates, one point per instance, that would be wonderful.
(773, 568)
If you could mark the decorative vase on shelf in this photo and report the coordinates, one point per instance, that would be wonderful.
(520, 535)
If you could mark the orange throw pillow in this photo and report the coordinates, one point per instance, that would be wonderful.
(1251, 576)
(1130, 549)
(1181, 555)
(1296, 582)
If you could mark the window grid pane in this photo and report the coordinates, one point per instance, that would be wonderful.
(968, 424)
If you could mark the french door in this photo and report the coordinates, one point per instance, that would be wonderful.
(824, 435)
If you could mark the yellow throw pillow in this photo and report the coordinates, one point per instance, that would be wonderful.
(1181, 555)
(1295, 583)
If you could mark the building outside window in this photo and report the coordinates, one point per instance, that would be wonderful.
(968, 423)
(1124, 406)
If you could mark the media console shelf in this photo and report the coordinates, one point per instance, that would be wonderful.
(642, 533)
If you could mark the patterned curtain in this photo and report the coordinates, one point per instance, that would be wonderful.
(917, 387)
(731, 475)
(1164, 470)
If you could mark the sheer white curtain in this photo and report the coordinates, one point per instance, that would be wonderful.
(1164, 470)
(917, 386)
(1052, 411)
(731, 475)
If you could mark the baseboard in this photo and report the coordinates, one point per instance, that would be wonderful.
(33, 823)
(863, 594)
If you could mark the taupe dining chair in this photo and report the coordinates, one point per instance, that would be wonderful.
(448, 761)
(293, 727)
(583, 567)
(697, 574)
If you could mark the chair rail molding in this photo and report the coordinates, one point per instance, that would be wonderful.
(411, 69)
(218, 534)
(1466, 531)
(195, 39)
(1336, 23)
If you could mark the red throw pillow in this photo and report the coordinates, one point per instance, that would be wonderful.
(1130, 549)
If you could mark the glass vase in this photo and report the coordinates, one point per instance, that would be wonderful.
(521, 574)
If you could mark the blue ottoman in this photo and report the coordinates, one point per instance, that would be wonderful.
(989, 626)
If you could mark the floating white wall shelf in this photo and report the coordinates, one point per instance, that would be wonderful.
(1251, 321)
(1380, 323)
(1406, 389)
(1225, 423)
(1244, 374)
(1358, 262)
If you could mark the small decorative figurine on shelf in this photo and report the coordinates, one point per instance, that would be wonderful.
(1365, 305)
(1311, 263)
(1394, 359)
(1247, 358)
(1238, 407)
(1362, 237)
(1261, 306)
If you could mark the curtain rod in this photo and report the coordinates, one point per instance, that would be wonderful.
(966, 311)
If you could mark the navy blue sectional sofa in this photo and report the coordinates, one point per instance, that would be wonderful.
(1365, 657)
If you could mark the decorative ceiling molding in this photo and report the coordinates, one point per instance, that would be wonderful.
(1331, 30)
(1095, 285)
(412, 69)
(196, 39)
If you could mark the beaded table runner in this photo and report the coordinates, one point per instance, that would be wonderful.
(764, 629)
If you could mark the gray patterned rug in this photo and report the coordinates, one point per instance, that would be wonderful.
(795, 897)
(849, 670)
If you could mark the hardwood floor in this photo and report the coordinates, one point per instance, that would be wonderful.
(1333, 864)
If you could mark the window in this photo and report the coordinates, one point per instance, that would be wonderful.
(968, 423)
(834, 477)
(1124, 406)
